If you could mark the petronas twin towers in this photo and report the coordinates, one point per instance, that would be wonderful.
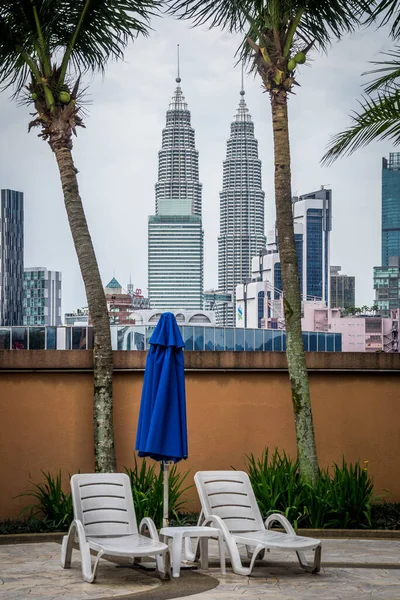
(176, 256)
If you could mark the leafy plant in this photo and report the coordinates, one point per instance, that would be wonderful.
(341, 499)
(148, 490)
(53, 504)
(277, 486)
(350, 498)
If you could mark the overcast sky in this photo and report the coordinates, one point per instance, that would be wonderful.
(117, 154)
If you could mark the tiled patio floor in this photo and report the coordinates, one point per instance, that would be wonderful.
(352, 569)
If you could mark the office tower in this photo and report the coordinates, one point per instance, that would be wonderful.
(42, 296)
(390, 207)
(312, 215)
(175, 243)
(11, 257)
(241, 209)
(343, 289)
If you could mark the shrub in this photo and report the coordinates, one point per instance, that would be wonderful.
(341, 499)
(53, 504)
(148, 491)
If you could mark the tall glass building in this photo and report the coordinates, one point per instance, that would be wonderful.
(313, 213)
(241, 209)
(390, 207)
(175, 250)
(11, 257)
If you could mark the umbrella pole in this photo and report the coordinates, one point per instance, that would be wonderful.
(166, 494)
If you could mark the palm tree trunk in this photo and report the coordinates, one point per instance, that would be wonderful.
(102, 358)
(291, 293)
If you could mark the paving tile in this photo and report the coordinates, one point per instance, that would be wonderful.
(352, 570)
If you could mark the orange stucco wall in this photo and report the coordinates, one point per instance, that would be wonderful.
(46, 421)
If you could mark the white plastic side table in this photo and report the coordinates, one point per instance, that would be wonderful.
(203, 533)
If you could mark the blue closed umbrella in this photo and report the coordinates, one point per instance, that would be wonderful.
(162, 431)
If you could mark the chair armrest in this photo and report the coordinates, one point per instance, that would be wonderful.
(149, 523)
(76, 528)
(282, 520)
(218, 523)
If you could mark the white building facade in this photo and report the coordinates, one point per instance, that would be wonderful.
(176, 238)
(42, 296)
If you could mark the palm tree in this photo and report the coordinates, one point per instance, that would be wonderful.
(278, 36)
(45, 48)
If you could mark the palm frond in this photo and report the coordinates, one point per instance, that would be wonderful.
(389, 70)
(101, 29)
(387, 10)
(324, 21)
(320, 21)
(13, 68)
(378, 119)
(87, 32)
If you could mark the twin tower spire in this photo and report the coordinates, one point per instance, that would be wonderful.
(176, 237)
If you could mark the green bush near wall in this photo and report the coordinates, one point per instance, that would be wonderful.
(341, 498)
(52, 508)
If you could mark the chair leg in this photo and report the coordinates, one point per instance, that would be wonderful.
(249, 552)
(66, 550)
(316, 567)
(163, 562)
(89, 575)
(222, 561)
(176, 555)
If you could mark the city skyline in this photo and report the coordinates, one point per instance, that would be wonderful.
(116, 155)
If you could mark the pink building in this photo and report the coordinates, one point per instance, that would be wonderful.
(366, 333)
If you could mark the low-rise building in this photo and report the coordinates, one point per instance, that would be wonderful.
(42, 297)
(258, 305)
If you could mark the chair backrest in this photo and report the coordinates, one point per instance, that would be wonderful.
(229, 495)
(103, 503)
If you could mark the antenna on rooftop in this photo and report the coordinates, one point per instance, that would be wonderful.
(178, 79)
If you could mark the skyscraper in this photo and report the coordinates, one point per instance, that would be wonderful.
(390, 207)
(312, 213)
(175, 246)
(42, 296)
(241, 208)
(11, 257)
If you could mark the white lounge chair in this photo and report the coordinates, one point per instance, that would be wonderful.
(229, 504)
(105, 522)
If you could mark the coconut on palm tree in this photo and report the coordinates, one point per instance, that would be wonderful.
(278, 36)
(45, 48)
